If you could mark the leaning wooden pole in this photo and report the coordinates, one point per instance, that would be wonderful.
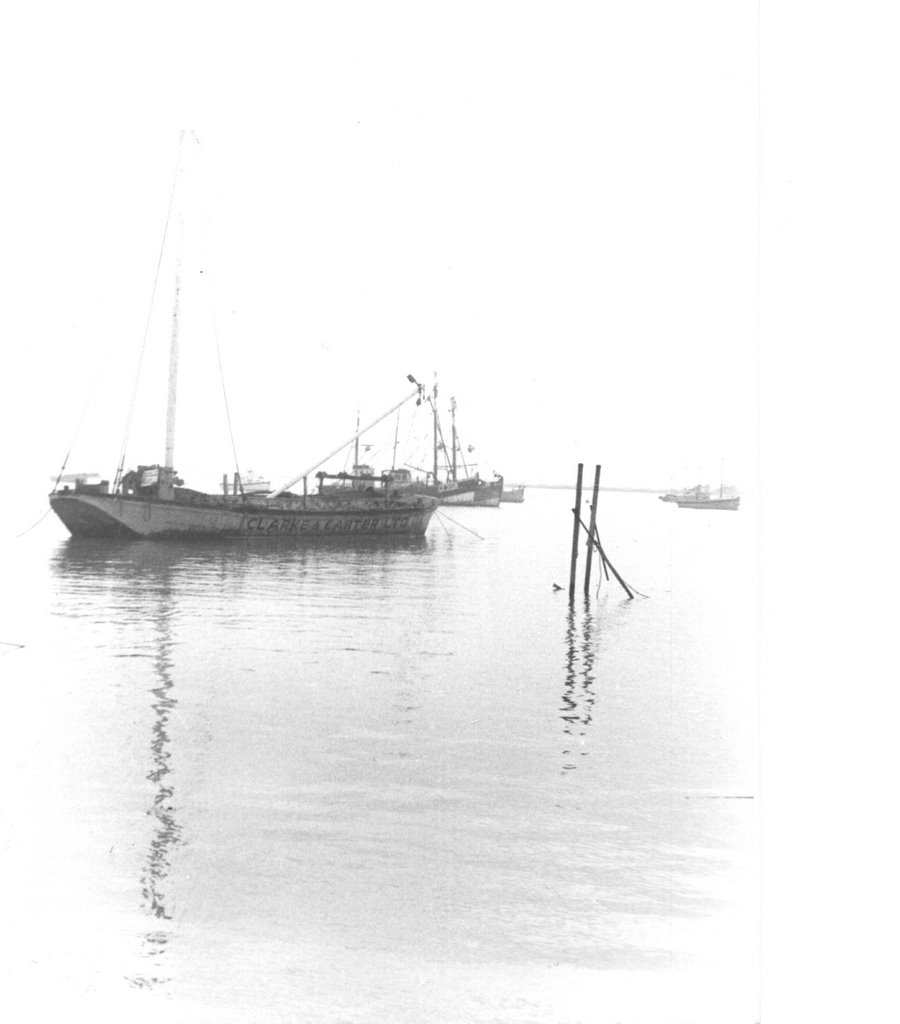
(611, 568)
(590, 546)
(576, 513)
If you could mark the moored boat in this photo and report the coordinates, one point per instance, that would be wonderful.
(152, 501)
(514, 494)
(459, 485)
(701, 497)
(489, 493)
(189, 513)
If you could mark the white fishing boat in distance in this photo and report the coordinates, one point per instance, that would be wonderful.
(702, 497)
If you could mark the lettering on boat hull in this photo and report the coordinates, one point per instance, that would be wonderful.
(385, 523)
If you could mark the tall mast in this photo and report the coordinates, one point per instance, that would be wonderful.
(453, 422)
(434, 413)
(396, 439)
(356, 443)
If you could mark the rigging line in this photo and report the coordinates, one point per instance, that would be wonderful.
(419, 442)
(225, 400)
(455, 523)
(412, 423)
(443, 446)
(461, 454)
(375, 453)
(159, 260)
(215, 327)
(396, 440)
(84, 410)
(65, 461)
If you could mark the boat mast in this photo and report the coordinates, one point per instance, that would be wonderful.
(167, 477)
(121, 465)
(413, 394)
(453, 423)
(434, 413)
(396, 439)
(356, 443)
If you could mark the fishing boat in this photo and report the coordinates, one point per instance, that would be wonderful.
(701, 497)
(674, 496)
(252, 483)
(514, 494)
(454, 483)
(489, 492)
(152, 502)
(459, 485)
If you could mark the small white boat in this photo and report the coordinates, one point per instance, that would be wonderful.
(701, 497)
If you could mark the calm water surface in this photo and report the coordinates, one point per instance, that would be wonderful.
(386, 781)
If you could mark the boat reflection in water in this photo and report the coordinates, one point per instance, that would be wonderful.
(167, 830)
(156, 617)
(138, 576)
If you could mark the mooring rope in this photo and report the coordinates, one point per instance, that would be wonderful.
(444, 527)
(455, 523)
(36, 523)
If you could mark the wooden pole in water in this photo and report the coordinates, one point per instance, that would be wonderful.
(590, 545)
(576, 512)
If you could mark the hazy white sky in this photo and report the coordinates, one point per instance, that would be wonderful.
(552, 206)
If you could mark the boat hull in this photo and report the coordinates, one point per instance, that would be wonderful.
(100, 515)
(515, 495)
(728, 504)
(461, 492)
(471, 491)
(488, 494)
(451, 497)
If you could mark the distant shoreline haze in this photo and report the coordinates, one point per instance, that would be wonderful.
(587, 484)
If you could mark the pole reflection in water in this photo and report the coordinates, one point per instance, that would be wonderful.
(167, 831)
(578, 690)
